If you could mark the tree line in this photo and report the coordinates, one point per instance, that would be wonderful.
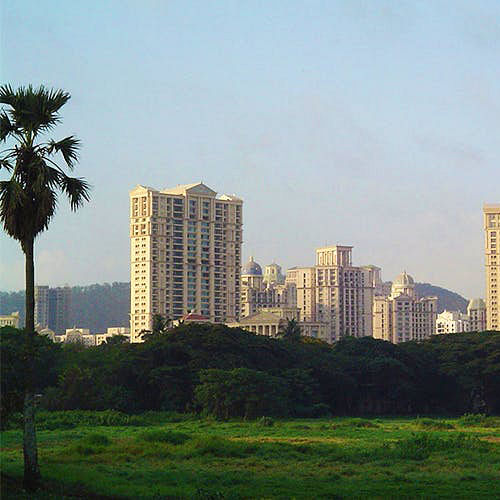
(228, 372)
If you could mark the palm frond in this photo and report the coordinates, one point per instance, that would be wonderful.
(45, 177)
(33, 109)
(77, 190)
(46, 205)
(68, 147)
(6, 126)
(4, 163)
(7, 95)
(12, 203)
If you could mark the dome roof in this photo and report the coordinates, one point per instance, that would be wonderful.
(251, 268)
(476, 304)
(404, 279)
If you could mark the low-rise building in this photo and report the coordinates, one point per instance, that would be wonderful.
(191, 317)
(11, 319)
(83, 335)
(272, 322)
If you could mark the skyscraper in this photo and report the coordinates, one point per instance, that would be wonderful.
(335, 292)
(185, 255)
(53, 307)
(403, 316)
(492, 260)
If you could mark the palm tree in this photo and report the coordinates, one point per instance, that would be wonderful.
(291, 331)
(28, 201)
(160, 327)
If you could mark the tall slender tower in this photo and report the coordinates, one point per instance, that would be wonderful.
(185, 255)
(492, 238)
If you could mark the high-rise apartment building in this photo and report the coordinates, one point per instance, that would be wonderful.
(452, 322)
(42, 306)
(403, 316)
(336, 293)
(476, 310)
(185, 255)
(52, 307)
(266, 290)
(491, 214)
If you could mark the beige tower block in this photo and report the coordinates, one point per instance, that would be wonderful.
(491, 216)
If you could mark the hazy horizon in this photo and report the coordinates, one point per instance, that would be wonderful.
(371, 124)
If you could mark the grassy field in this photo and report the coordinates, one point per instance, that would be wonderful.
(189, 457)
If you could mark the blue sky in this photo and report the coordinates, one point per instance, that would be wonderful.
(366, 123)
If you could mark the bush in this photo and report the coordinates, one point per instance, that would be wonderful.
(218, 447)
(419, 446)
(478, 420)
(97, 440)
(163, 436)
(356, 423)
(265, 422)
(435, 425)
(51, 420)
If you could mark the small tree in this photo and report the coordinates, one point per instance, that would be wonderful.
(160, 327)
(28, 201)
(291, 331)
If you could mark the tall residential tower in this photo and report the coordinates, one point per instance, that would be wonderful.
(185, 255)
(492, 238)
(53, 307)
(335, 292)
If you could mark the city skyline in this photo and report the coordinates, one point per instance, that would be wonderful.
(360, 123)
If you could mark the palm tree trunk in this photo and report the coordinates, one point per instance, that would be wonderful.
(31, 470)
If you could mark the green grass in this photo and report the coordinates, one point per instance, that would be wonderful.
(189, 457)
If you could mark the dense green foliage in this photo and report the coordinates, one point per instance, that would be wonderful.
(101, 305)
(228, 373)
(165, 455)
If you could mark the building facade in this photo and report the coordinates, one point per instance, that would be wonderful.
(403, 316)
(53, 308)
(491, 213)
(185, 255)
(476, 310)
(272, 321)
(84, 337)
(452, 322)
(336, 292)
(11, 319)
(266, 290)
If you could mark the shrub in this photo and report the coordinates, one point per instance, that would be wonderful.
(97, 440)
(356, 423)
(218, 447)
(478, 420)
(419, 446)
(436, 425)
(163, 436)
(265, 422)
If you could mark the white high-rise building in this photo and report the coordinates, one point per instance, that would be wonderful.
(185, 255)
(476, 310)
(492, 256)
(403, 316)
(336, 292)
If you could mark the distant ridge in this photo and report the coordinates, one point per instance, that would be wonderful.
(102, 305)
(447, 299)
